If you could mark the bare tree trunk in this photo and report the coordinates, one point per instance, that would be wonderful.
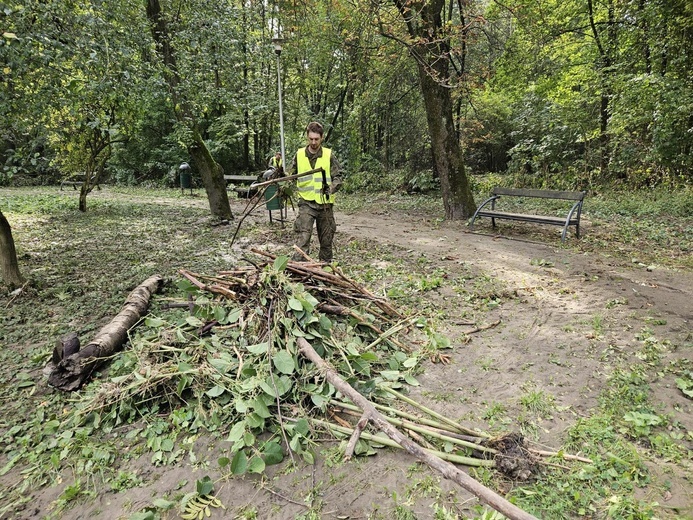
(74, 370)
(212, 175)
(8, 255)
(605, 48)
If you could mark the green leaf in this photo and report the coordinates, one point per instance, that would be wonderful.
(232, 317)
(255, 421)
(307, 305)
(308, 457)
(222, 364)
(685, 385)
(154, 322)
(410, 362)
(167, 445)
(411, 380)
(237, 431)
(295, 443)
(325, 322)
(194, 321)
(319, 400)
(239, 464)
(284, 362)
(223, 461)
(248, 439)
(256, 465)
(184, 367)
(215, 391)
(261, 408)
(258, 348)
(272, 453)
(280, 263)
(205, 486)
(282, 384)
(50, 427)
(161, 503)
(295, 304)
(219, 314)
(241, 405)
(301, 426)
(390, 375)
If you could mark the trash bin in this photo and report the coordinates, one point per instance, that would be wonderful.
(185, 177)
(273, 202)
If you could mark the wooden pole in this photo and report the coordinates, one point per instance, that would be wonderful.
(283, 179)
(447, 469)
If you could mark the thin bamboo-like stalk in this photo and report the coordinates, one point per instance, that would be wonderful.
(448, 470)
(444, 428)
(392, 330)
(433, 413)
(563, 456)
(385, 441)
(436, 435)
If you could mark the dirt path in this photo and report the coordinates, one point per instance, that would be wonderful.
(568, 312)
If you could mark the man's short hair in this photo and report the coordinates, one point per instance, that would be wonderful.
(314, 127)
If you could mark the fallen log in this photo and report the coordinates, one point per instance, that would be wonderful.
(447, 469)
(72, 371)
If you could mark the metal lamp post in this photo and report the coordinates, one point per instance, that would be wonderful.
(278, 50)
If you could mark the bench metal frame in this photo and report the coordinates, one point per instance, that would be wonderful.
(572, 219)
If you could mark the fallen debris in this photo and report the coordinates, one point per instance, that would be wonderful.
(69, 372)
(449, 471)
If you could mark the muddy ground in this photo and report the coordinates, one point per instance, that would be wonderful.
(557, 318)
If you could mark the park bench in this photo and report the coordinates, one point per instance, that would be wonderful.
(74, 181)
(572, 218)
(242, 192)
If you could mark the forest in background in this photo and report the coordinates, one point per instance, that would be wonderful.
(562, 94)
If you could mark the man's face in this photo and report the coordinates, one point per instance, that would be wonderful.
(314, 141)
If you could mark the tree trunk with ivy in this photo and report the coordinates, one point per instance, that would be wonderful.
(431, 49)
(8, 255)
(211, 172)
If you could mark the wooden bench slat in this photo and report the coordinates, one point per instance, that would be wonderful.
(240, 178)
(544, 194)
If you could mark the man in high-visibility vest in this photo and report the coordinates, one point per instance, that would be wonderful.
(276, 160)
(316, 193)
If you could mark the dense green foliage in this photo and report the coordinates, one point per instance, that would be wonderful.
(569, 93)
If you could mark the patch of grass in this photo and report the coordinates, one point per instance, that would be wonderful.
(494, 412)
(538, 402)
(612, 438)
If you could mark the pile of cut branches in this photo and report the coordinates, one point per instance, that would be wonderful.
(227, 359)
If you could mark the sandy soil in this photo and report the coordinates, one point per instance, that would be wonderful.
(563, 317)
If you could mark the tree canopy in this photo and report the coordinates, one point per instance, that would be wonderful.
(566, 94)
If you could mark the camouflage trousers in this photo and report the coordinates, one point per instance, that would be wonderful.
(323, 217)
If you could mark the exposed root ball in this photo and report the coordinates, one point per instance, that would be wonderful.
(513, 459)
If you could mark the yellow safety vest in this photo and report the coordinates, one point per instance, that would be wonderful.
(275, 163)
(310, 186)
